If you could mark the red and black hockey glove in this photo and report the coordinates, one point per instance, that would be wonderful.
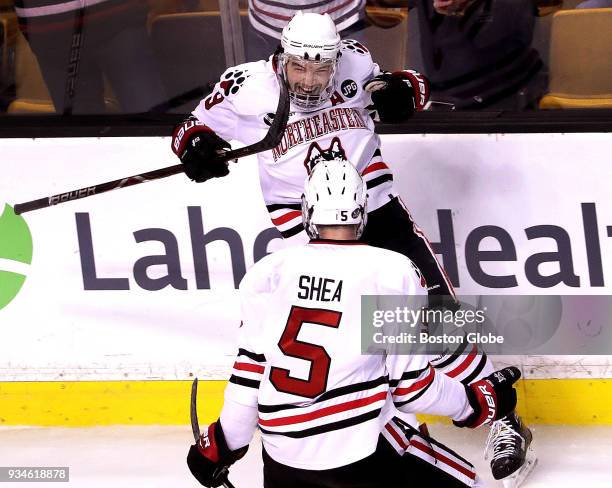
(491, 398)
(210, 458)
(398, 95)
(198, 147)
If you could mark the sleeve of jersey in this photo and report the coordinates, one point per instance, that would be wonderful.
(358, 61)
(417, 388)
(406, 280)
(414, 384)
(219, 113)
(239, 414)
(250, 363)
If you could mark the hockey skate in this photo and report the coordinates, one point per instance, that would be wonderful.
(513, 457)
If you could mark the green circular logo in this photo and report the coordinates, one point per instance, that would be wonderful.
(15, 252)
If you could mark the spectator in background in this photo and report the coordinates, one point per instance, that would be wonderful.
(478, 55)
(595, 4)
(77, 48)
(267, 19)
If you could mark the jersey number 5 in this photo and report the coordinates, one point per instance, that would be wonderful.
(317, 355)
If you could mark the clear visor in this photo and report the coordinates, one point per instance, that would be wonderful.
(311, 83)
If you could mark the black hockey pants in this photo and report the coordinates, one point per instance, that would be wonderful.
(391, 227)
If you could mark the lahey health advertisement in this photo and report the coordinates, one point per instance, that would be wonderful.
(140, 283)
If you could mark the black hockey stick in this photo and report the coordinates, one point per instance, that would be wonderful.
(195, 428)
(74, 58)
(271, 140)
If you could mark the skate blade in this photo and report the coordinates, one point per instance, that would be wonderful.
(517, 478)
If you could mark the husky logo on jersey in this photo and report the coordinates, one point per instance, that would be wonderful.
(320, 124)
(316, 154)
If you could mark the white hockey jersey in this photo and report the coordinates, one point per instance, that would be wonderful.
(241, 108)
(300, 373)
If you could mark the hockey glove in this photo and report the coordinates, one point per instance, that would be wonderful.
(491, 398)
(210, 458)
(197, 146)
(398, 95)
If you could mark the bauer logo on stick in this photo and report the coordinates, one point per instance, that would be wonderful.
(72, 195)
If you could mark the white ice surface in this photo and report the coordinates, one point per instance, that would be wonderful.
(154, 457)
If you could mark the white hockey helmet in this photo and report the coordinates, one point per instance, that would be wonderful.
(334, 194)
(311, 38)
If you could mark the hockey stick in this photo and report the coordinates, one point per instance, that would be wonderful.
(74, 58)
(195, 428)
(271, 140)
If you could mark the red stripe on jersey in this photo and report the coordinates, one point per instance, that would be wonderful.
(269, 14)
(417, 385)
(253, 368)
(338, 7)
(287, 217)
(374, 167)
(286, 18)
(332, 409)
(396, 436)
(441, 457)
(464, 364)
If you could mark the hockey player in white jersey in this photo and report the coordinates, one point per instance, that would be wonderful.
(300, 375)
(336, 93)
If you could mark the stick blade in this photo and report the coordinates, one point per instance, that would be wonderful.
(195, 426)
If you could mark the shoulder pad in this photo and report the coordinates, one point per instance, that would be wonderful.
(249, 87)
(355, 61)
(263, 275)
(351, 45)
(232, 79)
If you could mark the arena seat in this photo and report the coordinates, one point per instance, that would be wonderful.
(5, 28)
(190, 52)
(31, 106)
(386, 39)
(32, 93)
(580, 60)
